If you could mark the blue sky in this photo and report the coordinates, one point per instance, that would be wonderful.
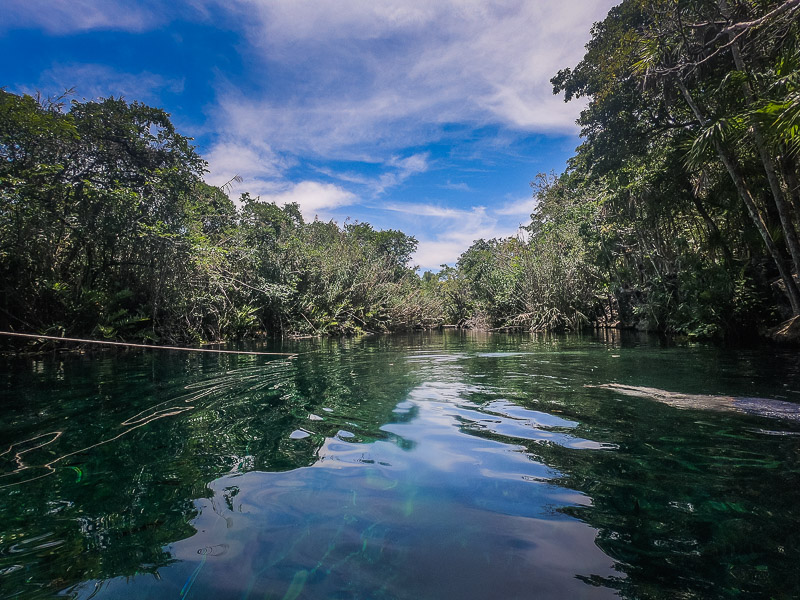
(429, 116)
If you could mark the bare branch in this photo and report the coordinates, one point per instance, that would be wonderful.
(788, 6)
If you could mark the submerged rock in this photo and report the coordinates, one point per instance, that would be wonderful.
(762, 407)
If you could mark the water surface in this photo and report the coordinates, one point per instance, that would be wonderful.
(428, 466)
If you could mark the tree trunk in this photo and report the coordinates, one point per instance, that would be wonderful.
(790, 177)
(744, 193)
(784, 213)
(714, 233)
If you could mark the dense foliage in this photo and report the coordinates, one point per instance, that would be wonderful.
(680, 210)
(107, 229)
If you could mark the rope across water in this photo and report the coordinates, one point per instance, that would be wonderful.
(151, 346)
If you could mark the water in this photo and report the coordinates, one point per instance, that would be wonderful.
(428, 466)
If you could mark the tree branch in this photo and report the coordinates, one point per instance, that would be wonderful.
(788, 6)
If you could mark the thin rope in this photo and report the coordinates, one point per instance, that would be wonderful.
(152, 346)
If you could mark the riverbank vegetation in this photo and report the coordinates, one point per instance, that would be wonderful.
(680, 211)
(108, 230)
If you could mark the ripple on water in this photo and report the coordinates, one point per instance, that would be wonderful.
(478, 473)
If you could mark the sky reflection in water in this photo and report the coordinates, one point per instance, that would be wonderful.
(407, 467)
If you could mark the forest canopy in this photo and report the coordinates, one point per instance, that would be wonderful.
(108, 229)
(680, 210)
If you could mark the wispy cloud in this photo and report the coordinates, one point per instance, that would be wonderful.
(68, 16)
(257, 163)
(518, 208)
(391, 73)
(315, 199)
(348, 177)
(403, 168)
(457, 186)
(252, 162)
(92, 81)
(430, 210)
(395, 171)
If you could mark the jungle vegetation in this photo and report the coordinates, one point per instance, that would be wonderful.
(109, 230)
(679, 212)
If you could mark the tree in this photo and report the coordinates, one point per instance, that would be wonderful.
(687, 104)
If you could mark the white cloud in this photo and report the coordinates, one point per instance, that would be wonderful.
(397, 170)
(404, 168)
(455, 230)
(252, 163)
(314, 198)
(366, 81)
(459, 186)
(321, 127)
(430, 210)
(385, 73)
(416, 163)
(391, 73)
(519, 208)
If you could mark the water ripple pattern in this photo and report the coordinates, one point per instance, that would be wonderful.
(424, 466)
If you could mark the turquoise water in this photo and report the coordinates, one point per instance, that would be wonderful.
(428, 466)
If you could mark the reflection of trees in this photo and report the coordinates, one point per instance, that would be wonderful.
(690, 508)
(112, 509)
(686, 504)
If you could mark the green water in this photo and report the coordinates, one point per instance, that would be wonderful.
(429, 466)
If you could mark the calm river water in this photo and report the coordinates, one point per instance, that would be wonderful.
(441, 466)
